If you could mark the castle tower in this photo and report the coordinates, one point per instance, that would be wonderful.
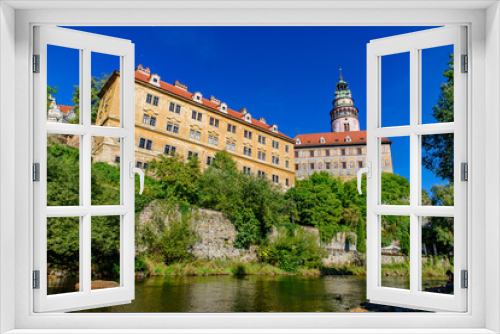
(344, 114)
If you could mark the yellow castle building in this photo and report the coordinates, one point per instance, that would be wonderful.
(171, 120)
(341, 152)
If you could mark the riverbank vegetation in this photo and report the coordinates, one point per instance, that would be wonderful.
(253, 204)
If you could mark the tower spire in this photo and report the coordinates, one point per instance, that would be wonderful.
(344, 115)
(340, 77)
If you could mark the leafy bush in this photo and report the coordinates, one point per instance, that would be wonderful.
(292, 249)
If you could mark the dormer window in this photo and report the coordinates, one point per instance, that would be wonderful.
(248, 118)
(274, 128)
(298, 141)
(347, 139)
(322, 140)
(155, 80)
(223, 107)
(197, 97)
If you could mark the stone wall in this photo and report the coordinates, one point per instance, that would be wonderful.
(217, 236)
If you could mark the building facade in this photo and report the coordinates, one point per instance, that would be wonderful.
(341, 152)
(171, 120)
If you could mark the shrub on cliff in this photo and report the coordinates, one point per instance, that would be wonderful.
(293, 248)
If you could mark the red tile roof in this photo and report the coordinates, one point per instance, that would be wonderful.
(334, 138)
(65, 109)
(207, 103)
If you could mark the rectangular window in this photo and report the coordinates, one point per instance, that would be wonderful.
(192, 134)
(247, 151)
(276, 178)
(248, 134)
(311, 166)
(145, 119)
(296, 154)
(246, 170)
(149, 97)
(360, 152)
(343, 151)
(311, 153)
(138, 164)
(176, 128)
(287, 182)
(198, 135)
(214, 122)
(328, 165)
(344, 165)
(178, 109)
(152, 122)
(171, 107)
(149, 144)
(327, 153)
(211, 139)
(276, 144)
(145, 165)
(287, 164)
(142, 142)
(209, 160)
(360, 164)
(191, 154)
(166, 149)
(117, 159)
(261, 173)
(169, 126)
(156, 100)
(286, 150)
(262, 140)
(197, 116)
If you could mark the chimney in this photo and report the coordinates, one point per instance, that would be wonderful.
(263, 120)
(243, 111)
(179, 85)
(213, 99)
(143, 70)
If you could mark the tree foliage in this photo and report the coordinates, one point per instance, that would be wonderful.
(437, 150)
(96, 84)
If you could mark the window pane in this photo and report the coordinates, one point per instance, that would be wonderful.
(395, 170)
(106, 109)
(105, 184)
(105, 252)
(395, 95)
(395, 248)
(437, 85)
(63, 255)
(63, 80)
(437, 169)
(63, 170)
(437, 254)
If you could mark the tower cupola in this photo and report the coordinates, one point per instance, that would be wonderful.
(344, 115)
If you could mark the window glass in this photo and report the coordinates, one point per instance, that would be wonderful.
(105, 185)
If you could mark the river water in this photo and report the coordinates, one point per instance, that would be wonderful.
(253, 293)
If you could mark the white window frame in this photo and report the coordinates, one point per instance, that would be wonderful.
(85, 43)
(413, 44)
(483, 100)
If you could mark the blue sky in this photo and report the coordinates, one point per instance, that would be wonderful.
(285, 74)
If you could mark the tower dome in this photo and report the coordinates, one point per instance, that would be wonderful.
(344, 115)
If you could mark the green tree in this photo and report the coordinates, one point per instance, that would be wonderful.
(361, 236)
(438, 149)
(317, 204)
(96, 84)
(178, 180)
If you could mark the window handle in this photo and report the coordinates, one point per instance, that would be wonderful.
(139, 171)
(365, 170)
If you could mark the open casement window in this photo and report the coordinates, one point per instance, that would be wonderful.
(81, 227)
(419, 214)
